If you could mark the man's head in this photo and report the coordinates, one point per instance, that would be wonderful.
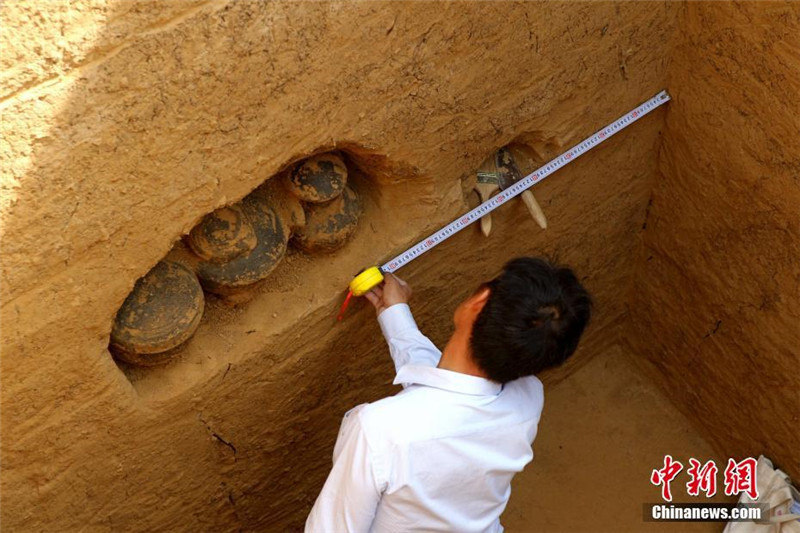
(526, 320)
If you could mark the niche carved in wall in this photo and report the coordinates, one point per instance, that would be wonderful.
(231, 251)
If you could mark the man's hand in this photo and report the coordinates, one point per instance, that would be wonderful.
(392, 291)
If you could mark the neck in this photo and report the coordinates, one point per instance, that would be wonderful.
(457, 356)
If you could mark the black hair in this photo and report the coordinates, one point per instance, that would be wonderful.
(533, 319)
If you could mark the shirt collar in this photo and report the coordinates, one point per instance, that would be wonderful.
(440, 378)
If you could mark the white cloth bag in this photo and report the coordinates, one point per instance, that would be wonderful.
(774, 490)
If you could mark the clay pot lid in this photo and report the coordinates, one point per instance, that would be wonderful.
(320, 178)
(329, 226)
(162, 311)
(272, 237)
(223, 235)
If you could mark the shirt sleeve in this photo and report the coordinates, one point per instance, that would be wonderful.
(353, 489)
(407, 344)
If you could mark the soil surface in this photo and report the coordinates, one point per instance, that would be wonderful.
(716, 303)
(602, 433)
(125, 123)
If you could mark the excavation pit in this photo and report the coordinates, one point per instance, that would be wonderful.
(124, 127)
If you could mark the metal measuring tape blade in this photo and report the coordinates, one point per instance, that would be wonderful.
(372, 276)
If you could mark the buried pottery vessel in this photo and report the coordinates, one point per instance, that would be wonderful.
(161, 313)
(328, 226)
(223, 235)
(318, 179)
(238, 245)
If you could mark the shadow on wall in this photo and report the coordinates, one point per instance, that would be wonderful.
(129, 151)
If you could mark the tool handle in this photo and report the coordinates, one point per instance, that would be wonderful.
(534, 208)
(485, 191)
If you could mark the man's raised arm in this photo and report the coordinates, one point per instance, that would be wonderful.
(407, 344)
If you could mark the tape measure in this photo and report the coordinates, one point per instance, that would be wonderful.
(372, 276)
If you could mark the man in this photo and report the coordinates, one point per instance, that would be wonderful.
(440, 455)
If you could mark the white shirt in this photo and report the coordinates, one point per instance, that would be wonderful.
(437, 456)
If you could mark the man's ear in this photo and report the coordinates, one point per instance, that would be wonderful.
(479, 299)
